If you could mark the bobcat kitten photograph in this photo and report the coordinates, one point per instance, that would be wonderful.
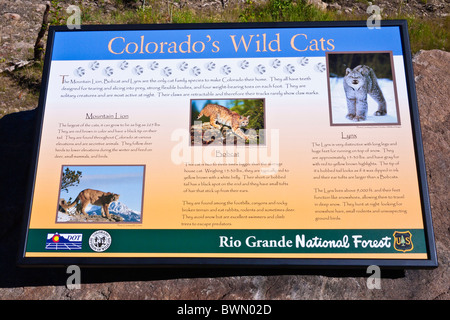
(227, 122)
(362, 89)
(101, 194)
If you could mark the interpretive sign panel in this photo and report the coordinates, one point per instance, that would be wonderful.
(292, 144)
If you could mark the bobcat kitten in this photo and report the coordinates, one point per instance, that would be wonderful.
(224, 116)
(357, 84)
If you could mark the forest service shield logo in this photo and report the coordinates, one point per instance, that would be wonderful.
(100, 240)
(403, 241)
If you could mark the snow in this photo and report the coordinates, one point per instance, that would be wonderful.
(116, 208)
(125, 212)
(339, 104)
(63, 217)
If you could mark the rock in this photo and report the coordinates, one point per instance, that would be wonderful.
(16, 65)
(205, 134)
(433, 87)
(12, 16)
(319, 4)
(335, 6)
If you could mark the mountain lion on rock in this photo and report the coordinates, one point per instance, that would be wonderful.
(94, 197)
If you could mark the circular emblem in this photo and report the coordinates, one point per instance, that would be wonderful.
(55, 238)
(100, 240)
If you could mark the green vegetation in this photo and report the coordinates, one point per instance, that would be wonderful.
(379, 62)
(425, 33)
(254, 109)
(29, 77)
(283, 10)
(70, 178)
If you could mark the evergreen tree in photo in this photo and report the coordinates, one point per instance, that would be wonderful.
(254, 109)
(70, 178)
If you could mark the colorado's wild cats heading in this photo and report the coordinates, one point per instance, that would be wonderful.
(358, 83)
(205, 43)
(224, 116)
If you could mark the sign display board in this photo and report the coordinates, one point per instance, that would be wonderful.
(292, 144)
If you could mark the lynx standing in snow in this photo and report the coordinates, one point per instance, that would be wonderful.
(357, 84)
(224, 116)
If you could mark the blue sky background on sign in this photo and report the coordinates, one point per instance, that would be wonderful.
(223, 43)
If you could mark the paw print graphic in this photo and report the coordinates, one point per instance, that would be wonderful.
(139, 70)
(210, 66)
(167, 71)
(196, 71)
(153, 65)
(94, 65)
(290, 68)
(276, 63)
(80, 71)
(109, 71)
(123, 65)
(260, 69)
(303, 61)
(183, 66)
(320, 67)
(244, 64)
(226, 69)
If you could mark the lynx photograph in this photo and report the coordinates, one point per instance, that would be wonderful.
(362, 89)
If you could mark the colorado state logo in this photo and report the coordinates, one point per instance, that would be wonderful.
(99, 241)
(403, 241)
(63, 241)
